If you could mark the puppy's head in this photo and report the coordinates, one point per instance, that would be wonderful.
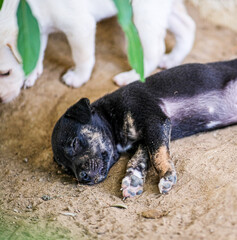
(82, 143)
(11, 73)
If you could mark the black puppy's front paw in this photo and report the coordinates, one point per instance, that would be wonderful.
(167, 182)
(132, 184)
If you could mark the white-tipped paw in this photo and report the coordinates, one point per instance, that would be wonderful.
(132, 186)
(169, 61)
(30, 80)
(74, 79)
(125, 78)
(167, 182)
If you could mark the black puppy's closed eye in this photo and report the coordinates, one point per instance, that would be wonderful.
(75, 144)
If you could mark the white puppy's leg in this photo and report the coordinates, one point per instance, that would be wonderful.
(82, 42)
(153, 48)
(183, 27)
(30, 80)
(151, 21)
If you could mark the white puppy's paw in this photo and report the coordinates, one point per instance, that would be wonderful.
(73, 79)
(30, 80)
(169, 61)
(125, 78)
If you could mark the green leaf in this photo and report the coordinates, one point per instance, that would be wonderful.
(124, 12)
(135, 51)
(28, 41)
(1, 2)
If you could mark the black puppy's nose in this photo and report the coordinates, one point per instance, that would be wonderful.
(84, 177)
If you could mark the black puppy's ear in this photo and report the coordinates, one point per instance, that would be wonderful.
(80, 111)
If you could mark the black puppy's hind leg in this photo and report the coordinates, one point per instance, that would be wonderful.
(157, 137)
(132, 183)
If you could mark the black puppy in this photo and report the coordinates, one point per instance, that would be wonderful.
(191, 98)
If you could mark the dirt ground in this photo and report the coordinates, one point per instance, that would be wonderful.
(39, 201)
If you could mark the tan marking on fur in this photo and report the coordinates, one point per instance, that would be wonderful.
(161, 161)
(139, 159)
(139, 156)
(129, 127)
(94, 138)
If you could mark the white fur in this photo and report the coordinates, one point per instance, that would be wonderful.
(77, 19)
(152, 18)
(213, 124)
(123, 149)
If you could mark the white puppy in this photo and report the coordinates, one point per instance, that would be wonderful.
(77, 19)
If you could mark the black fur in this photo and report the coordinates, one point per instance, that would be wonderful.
(80, 111)
(145, 102)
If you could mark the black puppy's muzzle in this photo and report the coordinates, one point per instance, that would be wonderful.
(97, 169)
(90, 178)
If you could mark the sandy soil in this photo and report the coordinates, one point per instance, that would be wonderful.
(36, 196)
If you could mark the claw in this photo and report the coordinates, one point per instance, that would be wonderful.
(125, 198)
